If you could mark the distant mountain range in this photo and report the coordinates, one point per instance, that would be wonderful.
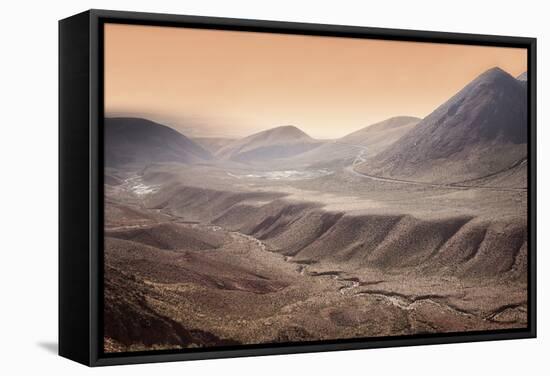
(280, 142)
(369, 140)
(478, 134)
(479, 131)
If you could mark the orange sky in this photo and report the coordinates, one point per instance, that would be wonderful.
(225, 83)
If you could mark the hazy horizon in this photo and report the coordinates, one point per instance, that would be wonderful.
(235, 84)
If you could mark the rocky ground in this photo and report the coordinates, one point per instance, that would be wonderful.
(203, 257)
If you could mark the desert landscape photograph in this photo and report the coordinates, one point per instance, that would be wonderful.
(264, 188)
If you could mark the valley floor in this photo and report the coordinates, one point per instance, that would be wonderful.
(190, 262)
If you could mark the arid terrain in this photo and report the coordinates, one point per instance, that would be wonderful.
(407, 226)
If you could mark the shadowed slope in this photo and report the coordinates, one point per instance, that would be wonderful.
(522, 77)
(141, 142)
(470, 246)
(133, 323)
(479, 131)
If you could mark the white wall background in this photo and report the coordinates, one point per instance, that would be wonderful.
(28, 157)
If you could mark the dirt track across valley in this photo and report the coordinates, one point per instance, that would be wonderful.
(455, 186)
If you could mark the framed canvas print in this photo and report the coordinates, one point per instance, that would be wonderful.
(239, 187)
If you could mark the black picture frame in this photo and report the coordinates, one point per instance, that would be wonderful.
(81, 184)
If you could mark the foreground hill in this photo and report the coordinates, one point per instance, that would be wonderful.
(478, 132)
(367, 141)
(139, 142)
(279, 142)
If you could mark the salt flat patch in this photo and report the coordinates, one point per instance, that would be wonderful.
(284, 174)
(143, 189)
(136, 185)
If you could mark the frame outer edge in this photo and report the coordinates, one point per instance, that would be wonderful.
(74, 334)
(532, 200)
(95, 202)
(293, 27)
(95, 19)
